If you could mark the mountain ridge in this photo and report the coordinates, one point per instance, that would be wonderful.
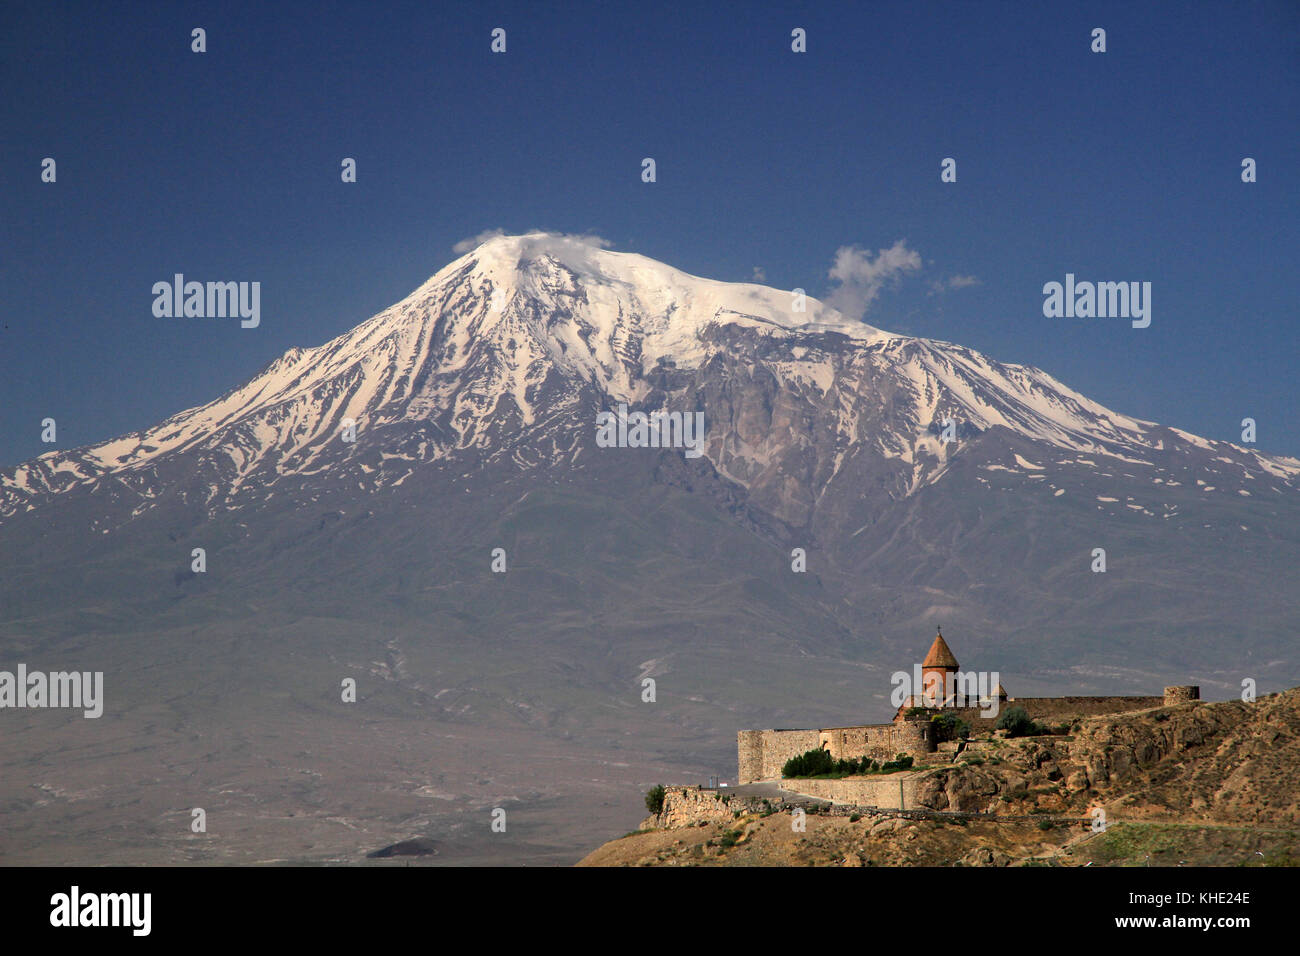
(473, 424)
(775, 581)
(519, 313)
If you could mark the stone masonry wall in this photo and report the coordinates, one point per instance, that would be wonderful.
(687, 806)
(1055, 710)
(762, 753)
(895, 791)
(880, 741)
(1064, 708)
(749, 756)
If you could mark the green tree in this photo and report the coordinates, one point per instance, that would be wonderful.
(654, 799)
(813, 763)
(949, 727)
(1015, 721)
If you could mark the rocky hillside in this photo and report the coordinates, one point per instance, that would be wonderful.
(1222, 763)
(1209, 784)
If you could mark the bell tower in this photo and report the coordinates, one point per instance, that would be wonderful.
(939, 689)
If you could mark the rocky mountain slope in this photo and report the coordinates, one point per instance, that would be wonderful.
(821, 433)
(502, 348)
(473, 407)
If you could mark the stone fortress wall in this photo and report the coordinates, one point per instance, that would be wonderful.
(762, 753)
(1056, 710)
(881, 741)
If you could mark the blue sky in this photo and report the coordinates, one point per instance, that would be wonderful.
(1122, 166)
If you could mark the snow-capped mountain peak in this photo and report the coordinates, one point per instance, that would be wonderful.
(506, 353)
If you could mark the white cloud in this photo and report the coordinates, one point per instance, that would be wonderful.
(473, 242)
(861, 277)
(581, 239)
(760, 274)
(939, 286)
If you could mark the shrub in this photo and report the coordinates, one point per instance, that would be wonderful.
(1017, 723)
(949, 727)
(819, 763)
(654, 799)
(854, 817)
(1044, 824)
(729, 838)
(809, 764)
(901, 762)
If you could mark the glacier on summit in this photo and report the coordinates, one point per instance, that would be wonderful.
(535, 333)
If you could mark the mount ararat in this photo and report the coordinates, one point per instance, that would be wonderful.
(474, 405)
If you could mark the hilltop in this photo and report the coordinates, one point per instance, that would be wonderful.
(1201, 783)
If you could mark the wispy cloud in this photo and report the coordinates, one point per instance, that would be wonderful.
(473, 242)
(940, 286)
(760, 274)
(581, 239)
(861, 276)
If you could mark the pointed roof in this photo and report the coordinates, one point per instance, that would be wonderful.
(940, 654)
(1000, 692)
